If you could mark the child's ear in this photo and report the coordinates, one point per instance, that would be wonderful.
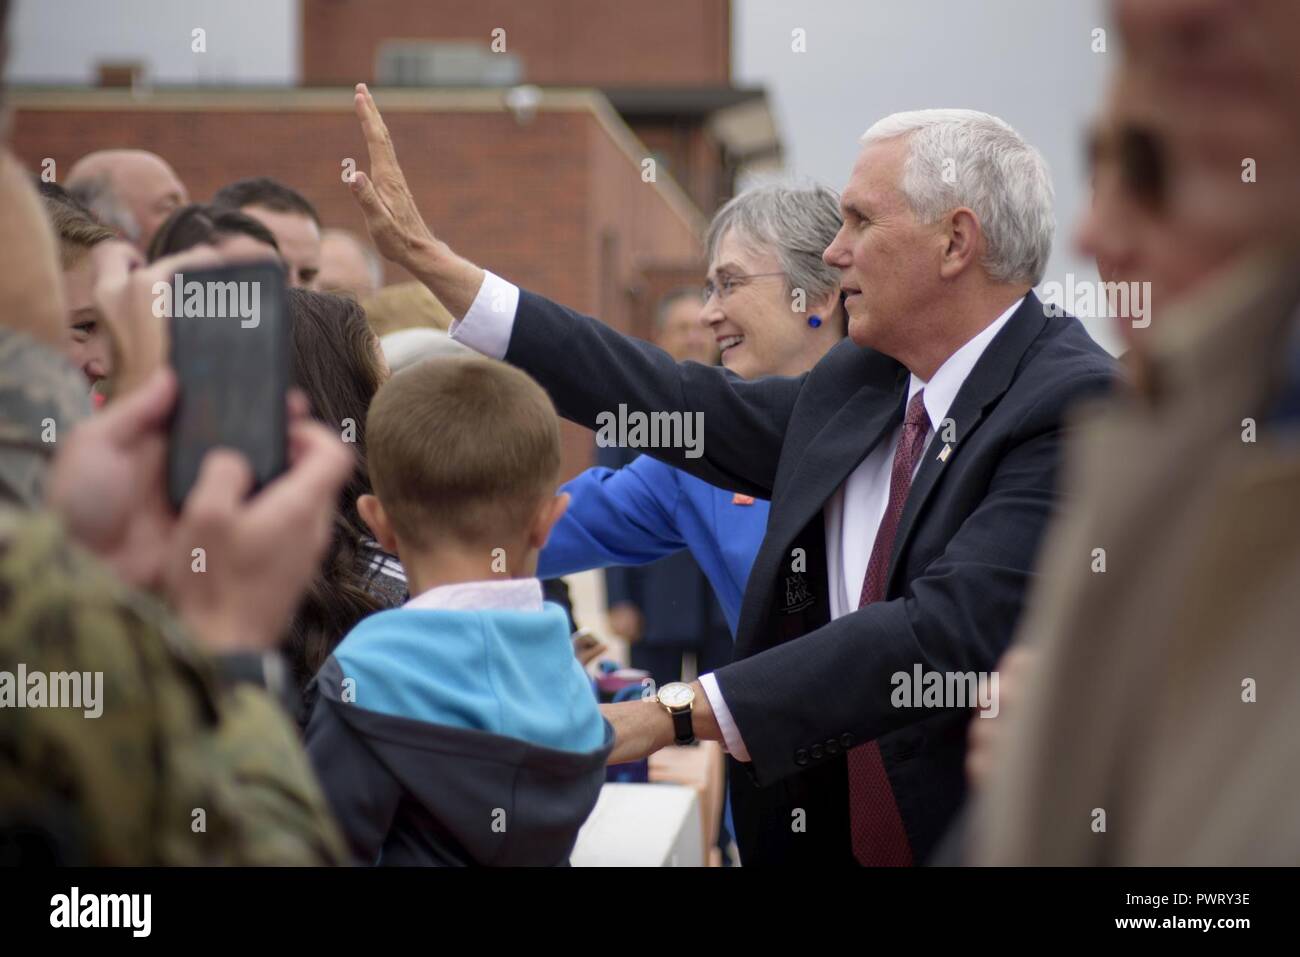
(551, 512)
(372, 513)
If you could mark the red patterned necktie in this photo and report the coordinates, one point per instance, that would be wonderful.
(879, 839)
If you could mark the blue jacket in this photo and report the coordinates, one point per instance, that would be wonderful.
(648, 510)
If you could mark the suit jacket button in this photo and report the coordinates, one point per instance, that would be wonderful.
(846, 740)
(801, 757)
(817, 753)
(832, 746)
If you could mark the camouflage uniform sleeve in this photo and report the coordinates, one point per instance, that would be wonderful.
(171, 770)
(42, 397)
(273, 790)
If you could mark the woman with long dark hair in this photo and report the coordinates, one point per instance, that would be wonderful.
(338, 363)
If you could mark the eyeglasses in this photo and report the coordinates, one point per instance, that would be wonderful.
(728, 283)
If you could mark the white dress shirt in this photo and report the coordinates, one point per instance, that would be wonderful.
(852, 515)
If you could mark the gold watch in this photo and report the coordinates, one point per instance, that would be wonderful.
(678, 699)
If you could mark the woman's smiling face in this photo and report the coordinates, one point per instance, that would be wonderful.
(752, 319)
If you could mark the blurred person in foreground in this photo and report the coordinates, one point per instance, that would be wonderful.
(1182, 651)
(165, 765)
(87, 785)
(129, 191)
(1128, 231)
(290, 217)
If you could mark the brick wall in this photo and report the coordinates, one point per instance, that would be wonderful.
(561, 42)
(694, 156)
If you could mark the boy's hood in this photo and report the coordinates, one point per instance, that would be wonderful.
(491, 799)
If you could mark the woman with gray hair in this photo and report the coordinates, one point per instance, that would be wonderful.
(770, 300)
(774, 308)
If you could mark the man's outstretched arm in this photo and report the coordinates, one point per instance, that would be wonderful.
(725, 430)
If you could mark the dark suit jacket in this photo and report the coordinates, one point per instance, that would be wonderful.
(961, 564)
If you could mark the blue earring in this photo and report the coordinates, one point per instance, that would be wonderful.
(814, 321)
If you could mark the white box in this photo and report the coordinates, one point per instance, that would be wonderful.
(642, 825)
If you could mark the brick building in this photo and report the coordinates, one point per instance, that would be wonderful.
(664, 66)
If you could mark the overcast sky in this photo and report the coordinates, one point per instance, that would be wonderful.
(61, 41)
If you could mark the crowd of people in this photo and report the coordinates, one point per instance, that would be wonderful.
(910, 466)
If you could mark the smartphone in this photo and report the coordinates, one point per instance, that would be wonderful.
(230, 348)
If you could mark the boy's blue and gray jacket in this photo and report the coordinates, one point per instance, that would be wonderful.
(451, 737)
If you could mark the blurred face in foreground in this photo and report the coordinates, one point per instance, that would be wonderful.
(1132, 228)
(1223, 76)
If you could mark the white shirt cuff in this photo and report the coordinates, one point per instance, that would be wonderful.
(487, 326)
(731, 738)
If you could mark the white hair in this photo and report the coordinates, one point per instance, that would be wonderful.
(967, 158)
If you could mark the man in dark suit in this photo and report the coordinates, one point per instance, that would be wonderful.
(911, 474)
